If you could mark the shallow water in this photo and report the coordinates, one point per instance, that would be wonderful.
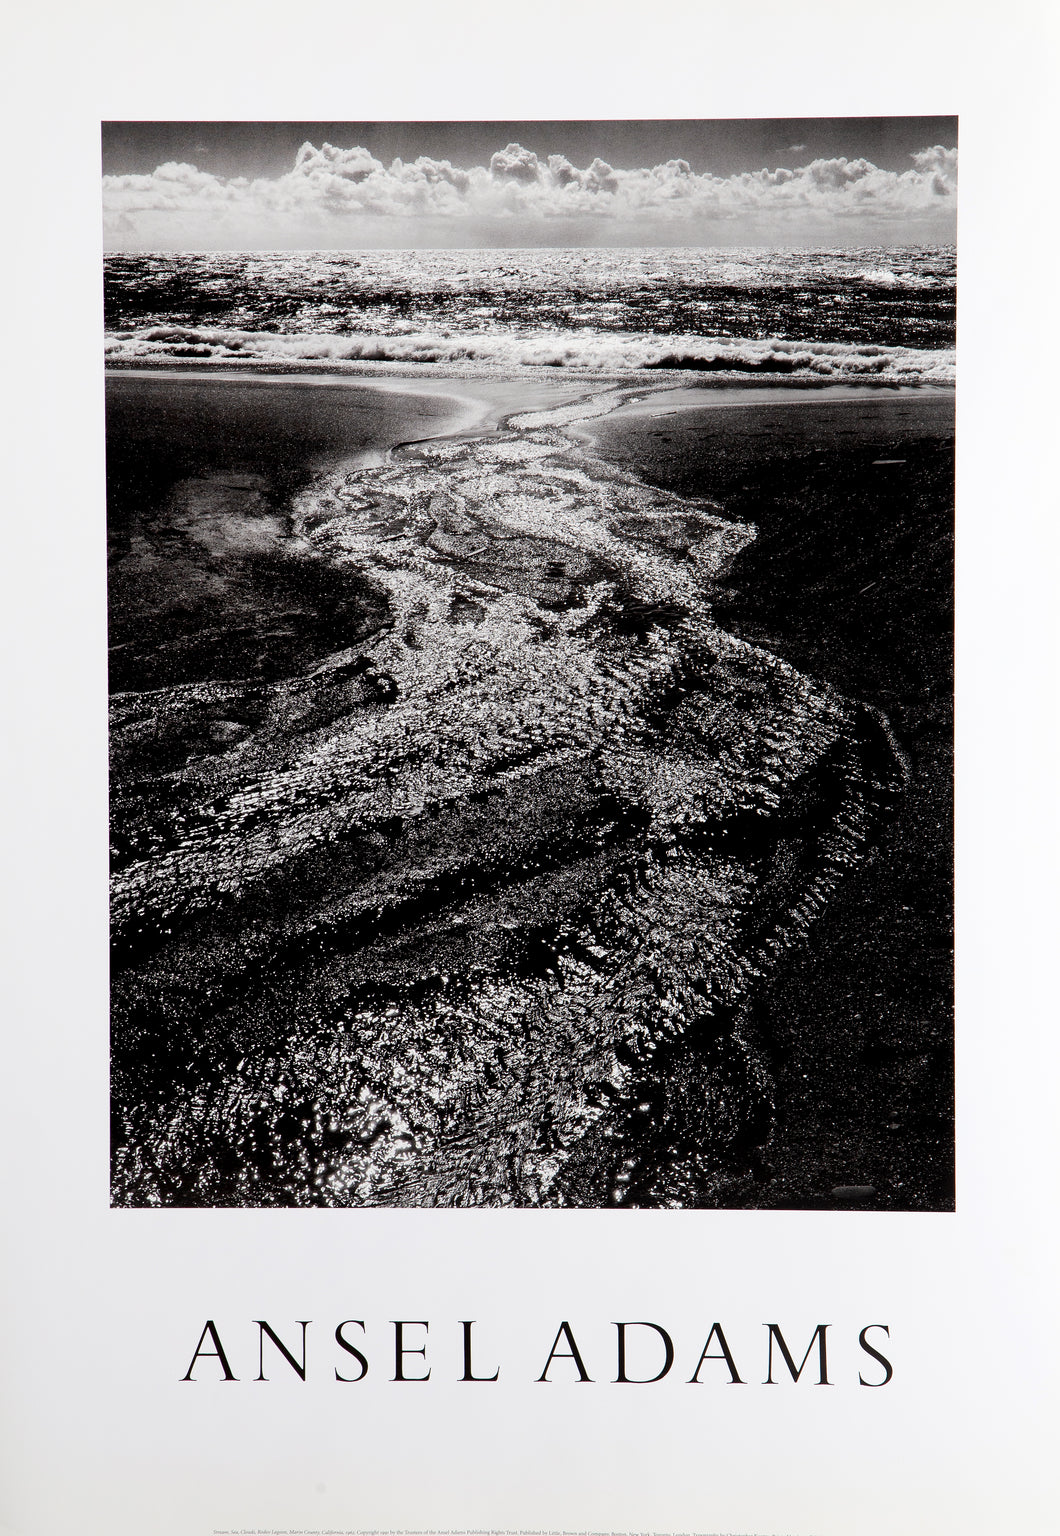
(208, 577)
(472, 909)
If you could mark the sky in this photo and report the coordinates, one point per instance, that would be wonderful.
(305, 185)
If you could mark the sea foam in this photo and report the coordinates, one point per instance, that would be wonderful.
(613, 352)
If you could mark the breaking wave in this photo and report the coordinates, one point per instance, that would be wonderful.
(884, 277)
(612, 352)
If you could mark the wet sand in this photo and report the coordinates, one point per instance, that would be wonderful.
(205, 479)
(851, 579)
(207, 577)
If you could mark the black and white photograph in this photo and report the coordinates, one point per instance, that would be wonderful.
(529, 617)
(530, 559)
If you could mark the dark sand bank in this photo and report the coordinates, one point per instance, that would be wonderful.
(850, 579)
(207, 577)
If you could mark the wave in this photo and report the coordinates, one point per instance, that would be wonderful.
(618, 352)
(884, 277)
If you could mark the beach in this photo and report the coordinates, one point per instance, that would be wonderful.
(201, 582)
(520, 831)
(850, 578)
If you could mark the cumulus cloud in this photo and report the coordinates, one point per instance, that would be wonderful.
(940, 164)
(333, 195)
(348, 164)
(515, 164)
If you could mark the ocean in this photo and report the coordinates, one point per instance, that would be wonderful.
(497, 708)
(805, 316)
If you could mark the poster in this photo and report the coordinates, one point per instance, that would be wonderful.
(109, 1305)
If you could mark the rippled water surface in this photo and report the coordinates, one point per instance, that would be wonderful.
(804, 314)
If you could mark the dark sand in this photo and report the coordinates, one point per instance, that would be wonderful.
(851, 580)
(206, 579)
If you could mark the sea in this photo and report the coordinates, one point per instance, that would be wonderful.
(805, 316)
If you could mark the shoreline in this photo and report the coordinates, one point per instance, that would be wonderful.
(530, 388)
(662, 378)
(462, 542)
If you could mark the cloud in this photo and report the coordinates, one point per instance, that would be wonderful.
(337, 196)
(516, 164)
(940, 165)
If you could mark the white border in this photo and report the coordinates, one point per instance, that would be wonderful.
(96, 1433)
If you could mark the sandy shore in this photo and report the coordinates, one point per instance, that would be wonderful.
(202, 469)
(335, 609)
(850, 578)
